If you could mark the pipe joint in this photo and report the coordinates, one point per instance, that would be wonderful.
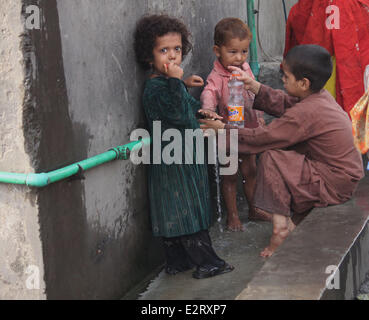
(37, 180)
(121, 152)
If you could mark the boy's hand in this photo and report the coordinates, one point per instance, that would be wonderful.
(208, 114)
(211, 124)
(194, 81)
(250, 83)
(173, 71)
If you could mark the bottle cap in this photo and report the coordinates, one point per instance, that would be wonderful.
(235, 74)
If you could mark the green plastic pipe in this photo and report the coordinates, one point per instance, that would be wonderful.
(43, 179)
(254, 64)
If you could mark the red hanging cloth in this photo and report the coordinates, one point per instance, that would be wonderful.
(347, 39)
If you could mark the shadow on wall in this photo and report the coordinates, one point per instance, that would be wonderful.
(82, 261)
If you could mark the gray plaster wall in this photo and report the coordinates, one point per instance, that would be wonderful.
(71, 92)
(104, 85)
(271, 28)
(21, 267)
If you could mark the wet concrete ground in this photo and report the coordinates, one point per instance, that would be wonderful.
(241, 249)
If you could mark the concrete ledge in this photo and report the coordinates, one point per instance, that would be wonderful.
(332, 236)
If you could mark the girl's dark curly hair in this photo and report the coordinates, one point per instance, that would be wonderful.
(148, 28)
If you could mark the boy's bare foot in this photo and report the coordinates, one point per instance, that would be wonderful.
(291, 225)
(267, 252)
(261, 215)
(282, 227)
(234, 224)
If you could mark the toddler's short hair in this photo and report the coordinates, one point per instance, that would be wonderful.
(230, 28)
(312, 62)
(150, 27)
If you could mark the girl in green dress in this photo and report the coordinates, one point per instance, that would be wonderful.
(179, 193)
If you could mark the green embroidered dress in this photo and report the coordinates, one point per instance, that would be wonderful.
(179, 193)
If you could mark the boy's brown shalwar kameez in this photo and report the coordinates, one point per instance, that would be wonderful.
(308, 155)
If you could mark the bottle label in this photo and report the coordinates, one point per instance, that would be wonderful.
(235, 113)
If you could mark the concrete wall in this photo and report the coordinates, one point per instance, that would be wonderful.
(103, 86)
(21, 267)
(272, 27)
(81, 96)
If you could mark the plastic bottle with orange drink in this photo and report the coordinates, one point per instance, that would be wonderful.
(236, 104)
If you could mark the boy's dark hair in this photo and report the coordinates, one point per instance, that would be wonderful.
(312, 62)
(150, 27)
(230, 28)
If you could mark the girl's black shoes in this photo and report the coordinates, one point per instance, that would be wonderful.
(207, 272)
